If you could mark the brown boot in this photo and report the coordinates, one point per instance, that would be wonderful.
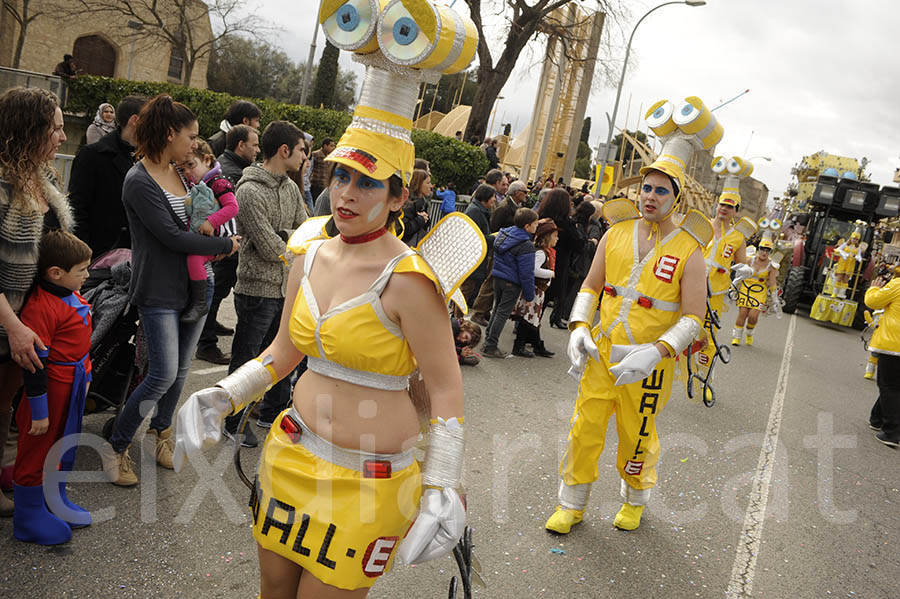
(165, 448)
(118, 467)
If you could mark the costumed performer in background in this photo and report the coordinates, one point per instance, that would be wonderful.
(726, 252)
(337, 486)
(653, 278)
(758, 292)
(849, 254)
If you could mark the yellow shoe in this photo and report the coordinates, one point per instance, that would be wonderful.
(707, 394)
(735, 341)
(563, 520)
(629, 517)
(748, 339)
(869, 375)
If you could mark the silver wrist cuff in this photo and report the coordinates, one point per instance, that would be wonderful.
(444, 456)
(681, 334)
(583, 309)
(247, 383)
(574, 497)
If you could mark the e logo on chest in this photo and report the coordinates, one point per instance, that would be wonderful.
(728, 250)
(665, 268)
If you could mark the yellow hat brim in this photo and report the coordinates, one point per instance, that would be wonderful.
(374, 154)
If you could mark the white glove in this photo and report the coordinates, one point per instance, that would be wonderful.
(844, 255)
(635, 362)
(437, 529)
(200, 422)
(580, 346)
(741, 272)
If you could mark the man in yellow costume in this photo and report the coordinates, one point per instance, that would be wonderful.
(653, 276)
(726, 252)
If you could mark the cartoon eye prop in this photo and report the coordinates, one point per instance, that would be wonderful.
(775, 224)
(764, 223)
(736, 165)
(350, 24)
(659, 118)
(694, 118)
(719, 164)
(416, 33)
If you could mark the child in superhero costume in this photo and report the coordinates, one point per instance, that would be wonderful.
(653, 278)
(54, 395)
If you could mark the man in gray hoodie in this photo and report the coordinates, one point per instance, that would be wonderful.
(271, 207)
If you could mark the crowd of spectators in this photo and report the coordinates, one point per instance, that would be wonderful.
(140, 184)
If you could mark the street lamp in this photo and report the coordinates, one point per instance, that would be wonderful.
(612, 121)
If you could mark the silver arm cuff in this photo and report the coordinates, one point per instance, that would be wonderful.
(681, 334)
(444, 456)
(583, 309)
(247, 383)
(574, 497)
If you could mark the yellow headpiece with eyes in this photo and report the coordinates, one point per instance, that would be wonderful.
(402, 43)
(734, 169)
(688, 126)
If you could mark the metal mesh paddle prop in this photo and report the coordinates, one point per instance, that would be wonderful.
(723, 353)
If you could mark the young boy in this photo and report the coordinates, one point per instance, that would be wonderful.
(513, 274)
(54, 395)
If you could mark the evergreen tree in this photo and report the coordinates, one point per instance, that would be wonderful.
(586, 131)
(326, 76)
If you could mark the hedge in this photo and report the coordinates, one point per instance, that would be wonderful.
(450, 159)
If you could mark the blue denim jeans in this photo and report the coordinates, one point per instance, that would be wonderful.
(170, 348)
(257, 324)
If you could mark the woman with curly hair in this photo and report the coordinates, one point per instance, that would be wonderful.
(31, 131)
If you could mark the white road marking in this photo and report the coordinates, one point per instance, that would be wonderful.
(211, 370)
(744, 568)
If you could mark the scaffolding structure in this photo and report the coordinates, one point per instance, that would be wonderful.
(548, 147)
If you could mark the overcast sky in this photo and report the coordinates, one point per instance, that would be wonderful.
(822, 75)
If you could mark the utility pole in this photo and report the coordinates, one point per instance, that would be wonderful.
(307, 73)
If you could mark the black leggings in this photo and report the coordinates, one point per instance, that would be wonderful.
(886, 411)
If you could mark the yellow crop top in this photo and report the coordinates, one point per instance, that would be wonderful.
(356, 341)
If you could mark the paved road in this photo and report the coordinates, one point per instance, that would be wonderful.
(780, 490)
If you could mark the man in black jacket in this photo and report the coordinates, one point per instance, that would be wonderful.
(241, 148)
(504, 213)
(95, 185)
(241, 112)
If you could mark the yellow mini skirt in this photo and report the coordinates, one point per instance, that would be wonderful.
(338, 513)
(752, 294)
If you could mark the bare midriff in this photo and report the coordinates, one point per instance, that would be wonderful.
(356, 417)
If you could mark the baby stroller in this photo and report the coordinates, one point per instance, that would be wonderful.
(118, 350)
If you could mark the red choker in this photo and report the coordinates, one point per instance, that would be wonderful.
(364, 238)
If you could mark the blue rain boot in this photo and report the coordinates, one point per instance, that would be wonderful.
(33, 523)
(78, 517)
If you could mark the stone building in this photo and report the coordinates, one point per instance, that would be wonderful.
(102, 44)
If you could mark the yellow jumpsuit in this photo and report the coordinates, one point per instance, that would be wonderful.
(846, 266)
(641, 302)
(719, 255)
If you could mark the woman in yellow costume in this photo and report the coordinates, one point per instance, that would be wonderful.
(338, 494)
(651, 273)
(757, 292)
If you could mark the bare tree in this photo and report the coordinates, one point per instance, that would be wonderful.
(526, 20)
(182, 24)
(23, 17)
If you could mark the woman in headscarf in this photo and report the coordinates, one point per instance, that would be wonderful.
(104, 123)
